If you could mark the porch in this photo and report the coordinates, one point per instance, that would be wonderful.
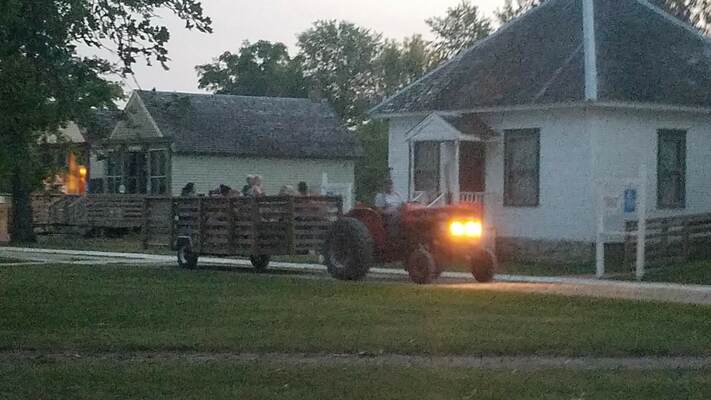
(448, 160)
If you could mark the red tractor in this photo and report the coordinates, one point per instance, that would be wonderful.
(425, 240)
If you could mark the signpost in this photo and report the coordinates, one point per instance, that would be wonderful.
(634, 201)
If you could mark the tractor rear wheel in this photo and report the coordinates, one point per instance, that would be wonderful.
(348, 250)
(260, 263)
(421, 267)
(483, 266)
(186, 257)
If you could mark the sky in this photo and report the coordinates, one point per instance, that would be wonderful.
(235, 21)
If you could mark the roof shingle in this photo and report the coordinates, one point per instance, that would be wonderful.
(250, 126)
(643, 56)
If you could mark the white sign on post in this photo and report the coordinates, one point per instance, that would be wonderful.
(620, 197)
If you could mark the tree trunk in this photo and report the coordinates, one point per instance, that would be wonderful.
(21, 229)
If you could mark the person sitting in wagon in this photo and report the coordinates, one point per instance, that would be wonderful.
(248, 187)
(303, 189)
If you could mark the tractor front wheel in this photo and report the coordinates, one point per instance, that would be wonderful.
(483, 266)
(348, 250)
(260, 263)
(421, 267)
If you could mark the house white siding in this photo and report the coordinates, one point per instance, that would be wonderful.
(399, 152)
(625, 139)
(565, 211)
(208, 172)
(579, 147)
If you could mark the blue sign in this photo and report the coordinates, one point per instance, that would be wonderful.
(630, 200)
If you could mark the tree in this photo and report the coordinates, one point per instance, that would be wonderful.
(459, 29)
(339, 59)
(400, 64)
(694, 12)
(44, 83)
(260, 69)
(512, 9)
(372, 169)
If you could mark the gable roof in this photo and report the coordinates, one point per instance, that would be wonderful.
(467, 127)
(642, 55)
(249, 126)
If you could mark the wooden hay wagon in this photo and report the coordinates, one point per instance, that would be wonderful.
(256, 228)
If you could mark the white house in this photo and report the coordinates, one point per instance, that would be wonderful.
(165, 140)
(533, 118)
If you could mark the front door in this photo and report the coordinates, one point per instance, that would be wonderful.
(472, 167)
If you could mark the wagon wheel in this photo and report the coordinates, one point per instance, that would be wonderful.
(260, 263)
(186, 257)
(421, 267)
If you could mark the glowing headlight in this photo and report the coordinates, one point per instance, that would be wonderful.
(465, 229)
(457, 229)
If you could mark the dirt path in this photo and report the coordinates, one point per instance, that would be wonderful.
(394, 360)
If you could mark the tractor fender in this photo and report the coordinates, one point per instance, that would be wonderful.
(374, 222)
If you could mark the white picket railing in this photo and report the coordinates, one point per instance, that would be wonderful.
(471, 197)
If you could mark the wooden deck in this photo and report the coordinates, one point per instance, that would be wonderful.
(60, 213)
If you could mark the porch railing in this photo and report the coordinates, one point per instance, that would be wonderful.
(436, 199)
(471, 197)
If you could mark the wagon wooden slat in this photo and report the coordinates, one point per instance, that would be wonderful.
(265, 226)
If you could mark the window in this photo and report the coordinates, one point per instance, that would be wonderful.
(113, 172)
(522, 148)
(426, 167)
(158, 172)
(671, 169)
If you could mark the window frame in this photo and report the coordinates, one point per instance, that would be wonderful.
(437, 170)
(679, 138)
(152, 177)
(509, 136)
(113, 181)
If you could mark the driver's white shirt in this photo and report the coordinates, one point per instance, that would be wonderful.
(388, 200)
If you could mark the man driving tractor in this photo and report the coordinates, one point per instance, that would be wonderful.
(389, 201)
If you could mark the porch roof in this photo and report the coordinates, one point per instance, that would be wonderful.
(439, 128)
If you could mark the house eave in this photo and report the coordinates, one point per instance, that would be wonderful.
(556, 106)
(277, 157)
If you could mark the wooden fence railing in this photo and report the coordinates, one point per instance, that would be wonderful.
(242, 226)
(54, 212)
(671, 239)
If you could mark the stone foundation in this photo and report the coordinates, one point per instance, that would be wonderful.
(544, 251)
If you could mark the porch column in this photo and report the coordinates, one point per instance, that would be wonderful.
(456, 194)
(410, 171)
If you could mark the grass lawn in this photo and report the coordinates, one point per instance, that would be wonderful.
(254, 380)
(5, 260)
(112, 308)
(698, 273)
(694, 273)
